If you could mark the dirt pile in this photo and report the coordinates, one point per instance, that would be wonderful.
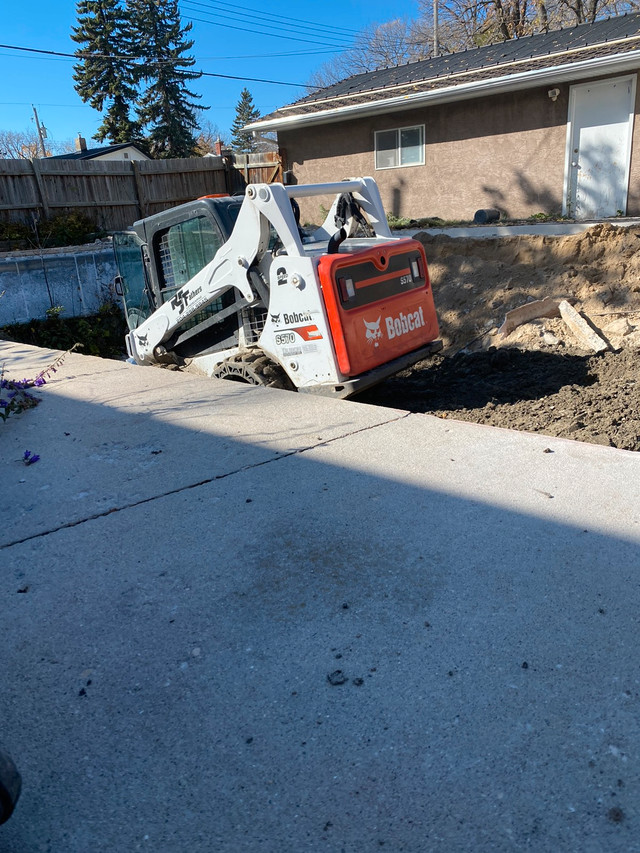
(475, 282)
(538, 378)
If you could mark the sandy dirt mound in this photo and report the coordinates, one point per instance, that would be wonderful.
(540, 377)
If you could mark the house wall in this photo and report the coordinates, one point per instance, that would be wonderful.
(122, 154)
(504, 151)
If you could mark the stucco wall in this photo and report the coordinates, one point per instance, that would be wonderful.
(505, 151)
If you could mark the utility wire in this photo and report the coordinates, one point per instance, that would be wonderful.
(313, 24)
(250, 79)
(269, 55)
(269, 21)
(147, 62)
(261, 32)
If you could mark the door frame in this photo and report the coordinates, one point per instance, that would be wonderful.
(567, 202)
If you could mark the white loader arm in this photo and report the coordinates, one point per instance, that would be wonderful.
(250, 238)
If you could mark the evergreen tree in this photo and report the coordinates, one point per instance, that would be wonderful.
(106, 77)
(166, 107)
(242, 140)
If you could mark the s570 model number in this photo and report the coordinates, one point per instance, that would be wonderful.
(285, 338)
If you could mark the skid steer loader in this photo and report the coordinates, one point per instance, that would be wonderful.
(235, 288)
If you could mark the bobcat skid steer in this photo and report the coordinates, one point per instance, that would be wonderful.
(233, 287)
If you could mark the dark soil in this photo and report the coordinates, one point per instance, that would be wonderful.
(593, 398)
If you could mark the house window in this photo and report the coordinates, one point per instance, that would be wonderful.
(403, 146)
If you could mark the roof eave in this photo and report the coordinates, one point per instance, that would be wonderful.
(461, 92)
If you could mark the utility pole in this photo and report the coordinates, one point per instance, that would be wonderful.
(436, 46)
(42, 131)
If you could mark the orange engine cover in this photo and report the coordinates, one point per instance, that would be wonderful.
(379, 304)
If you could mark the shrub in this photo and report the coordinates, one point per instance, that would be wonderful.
(65, 229)
(99, 334)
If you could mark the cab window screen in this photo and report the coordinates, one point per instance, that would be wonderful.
(185, 249)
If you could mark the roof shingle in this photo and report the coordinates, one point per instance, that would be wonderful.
(617, 35)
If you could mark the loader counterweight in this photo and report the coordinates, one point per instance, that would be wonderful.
(379, 304)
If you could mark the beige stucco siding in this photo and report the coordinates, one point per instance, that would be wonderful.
(505, 151)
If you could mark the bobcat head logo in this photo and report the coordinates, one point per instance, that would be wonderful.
(143, 339)
(373, 331)
(275, 318)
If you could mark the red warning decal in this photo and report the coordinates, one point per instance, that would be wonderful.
(309, 333)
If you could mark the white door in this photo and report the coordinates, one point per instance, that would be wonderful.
(598, 153)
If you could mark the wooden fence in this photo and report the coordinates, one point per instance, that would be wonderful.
(114, 193)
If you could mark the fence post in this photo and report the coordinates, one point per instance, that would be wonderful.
(142, 203)
(35, 165)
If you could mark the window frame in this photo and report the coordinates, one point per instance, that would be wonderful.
(398, 131)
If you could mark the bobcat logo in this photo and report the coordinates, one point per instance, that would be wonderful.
(275, 318)
(143, 339)
(373, 331)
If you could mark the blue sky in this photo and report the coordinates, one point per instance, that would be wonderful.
(46, 82)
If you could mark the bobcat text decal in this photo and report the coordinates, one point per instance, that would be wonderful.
(395, 326)
(296, 317)
(404, 323)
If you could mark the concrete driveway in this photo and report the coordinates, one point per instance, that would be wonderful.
(237, 619)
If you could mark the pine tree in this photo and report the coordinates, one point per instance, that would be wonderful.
(106, 77)
(166, 107)
(242, 140)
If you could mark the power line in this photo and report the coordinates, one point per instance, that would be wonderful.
(270, 21)
(147, 62)
(40, 104)
(261, 32)
(270, 55)
(271, 17)
(235, 57)
(249, 79)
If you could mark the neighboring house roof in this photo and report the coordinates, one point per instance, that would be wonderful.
(92, 153)
(572, 53)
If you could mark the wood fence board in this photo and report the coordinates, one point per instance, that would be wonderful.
(113, 193)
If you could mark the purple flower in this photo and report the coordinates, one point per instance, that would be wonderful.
(4, 404)
(39, 380)
(29, 458)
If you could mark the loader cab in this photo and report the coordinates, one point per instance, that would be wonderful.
(165, 250)
(182, 240)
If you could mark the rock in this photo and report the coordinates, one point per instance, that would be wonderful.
(619, 327)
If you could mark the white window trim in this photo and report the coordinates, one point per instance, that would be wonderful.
(398, 130)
